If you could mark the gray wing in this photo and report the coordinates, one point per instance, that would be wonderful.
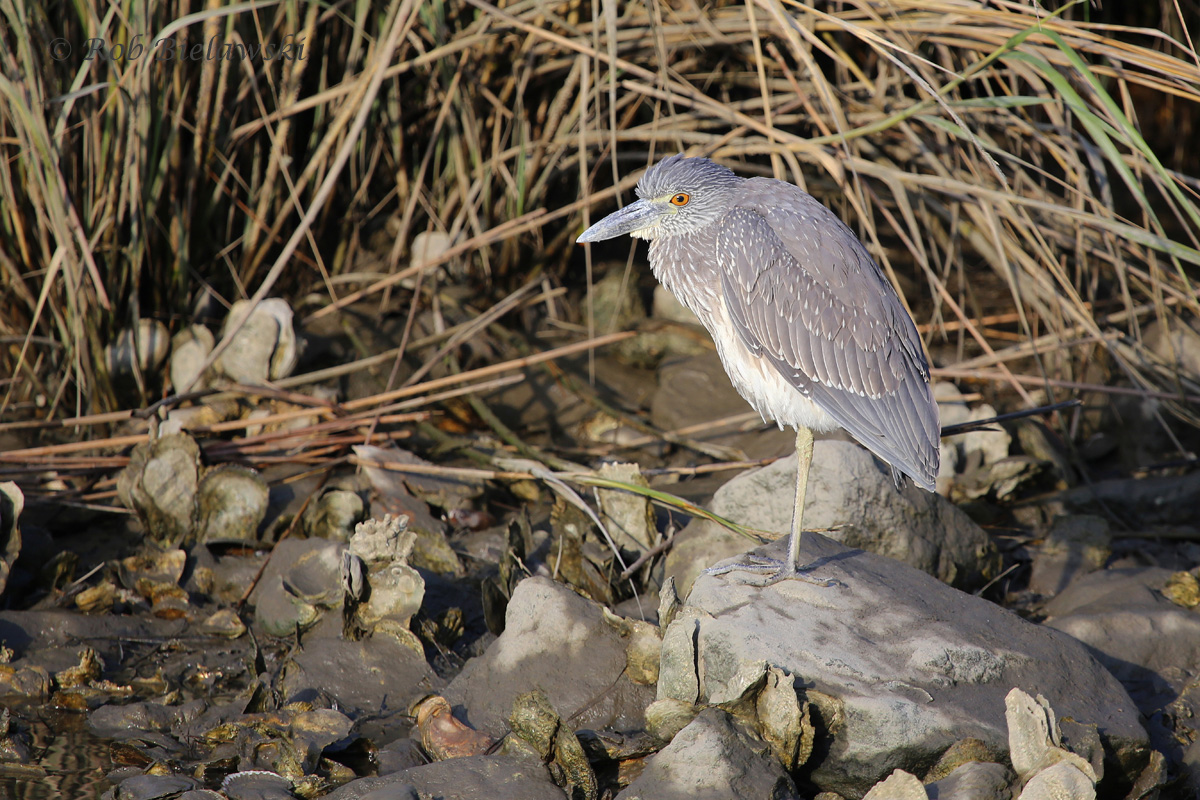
(804, 293)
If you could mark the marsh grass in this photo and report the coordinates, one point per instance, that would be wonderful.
(1002, 161)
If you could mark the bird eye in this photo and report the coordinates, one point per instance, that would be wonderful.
(680, 199)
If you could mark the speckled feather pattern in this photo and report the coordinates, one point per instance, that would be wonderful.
(807, 326)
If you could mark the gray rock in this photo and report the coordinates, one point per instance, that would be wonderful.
(993, 445)
(897, 665)
(265, 347)
(307, 564)
(1131, 627)
(1075, 546)
(674, 405)
(230, 504)
(257, 785)
(468, 778)
(159, 485)
(53, 638)
(313, 731)
(12, 501)
(900, 785)
(113, 720)
(374, 676)
(154, 787)
(711, 759)
(558, 642)
(975, 780)
(399, 755)
(1063, 781)
(852, 497)
(667, 306)
(681, 381)
(142, 350)
(1150, 644)
(1154, 500)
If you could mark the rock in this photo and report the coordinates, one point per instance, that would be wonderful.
(643, 647)
(257, 785)
(896, 665)
(302, 578)
(119, 721)
(400, 755)
(974, 780)
(334, 514)
(160, 483)
(432, 550)
(616, 304)
(231, 503)
(1182, 589)
(710, 759)
(382, 592)
(667, 717)
(992, 445)
(153, 787)
(12, 502)
(313, 731)
(147, 349)
(682, 380)
(900, 785)
(444, 491)
(1075, 546)
(556, 641)
(152, 567)
(469, 778)
(853, 497)
(373, 676)
(1177, 344)
(265, 347)
(189, 350)
(628, 517)
(223, 573)
(224, 623)
(1148, 642)
(1045, 445)
(1034, 738)
(54, 637)
(1063, 781)
(658, 340)
(666, 306)
(428, 246)
(538, 728)
(1153, 500)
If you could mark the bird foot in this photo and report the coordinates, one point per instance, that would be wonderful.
(771, 572)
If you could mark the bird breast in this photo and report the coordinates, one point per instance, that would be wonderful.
(684, 264)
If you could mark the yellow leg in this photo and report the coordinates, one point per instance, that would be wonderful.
(791, 569)
(804, 453)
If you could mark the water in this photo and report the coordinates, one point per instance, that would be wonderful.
(74, 761)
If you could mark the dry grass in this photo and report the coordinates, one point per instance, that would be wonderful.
(998, 159)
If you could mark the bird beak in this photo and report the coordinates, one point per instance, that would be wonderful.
(633, 217)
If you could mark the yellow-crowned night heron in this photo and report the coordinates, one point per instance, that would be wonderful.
(809, 330)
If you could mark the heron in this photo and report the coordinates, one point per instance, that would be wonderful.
(810, 332)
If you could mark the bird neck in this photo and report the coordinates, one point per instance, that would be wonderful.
(685, 264)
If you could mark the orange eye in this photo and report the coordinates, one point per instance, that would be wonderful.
(680, 199)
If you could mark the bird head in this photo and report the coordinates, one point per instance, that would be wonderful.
(677, 195)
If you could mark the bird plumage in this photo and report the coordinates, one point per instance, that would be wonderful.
(809, 329)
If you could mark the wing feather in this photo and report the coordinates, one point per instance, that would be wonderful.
(803, 293)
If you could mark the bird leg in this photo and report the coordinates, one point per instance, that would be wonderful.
(804, 453)
(775, 570)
